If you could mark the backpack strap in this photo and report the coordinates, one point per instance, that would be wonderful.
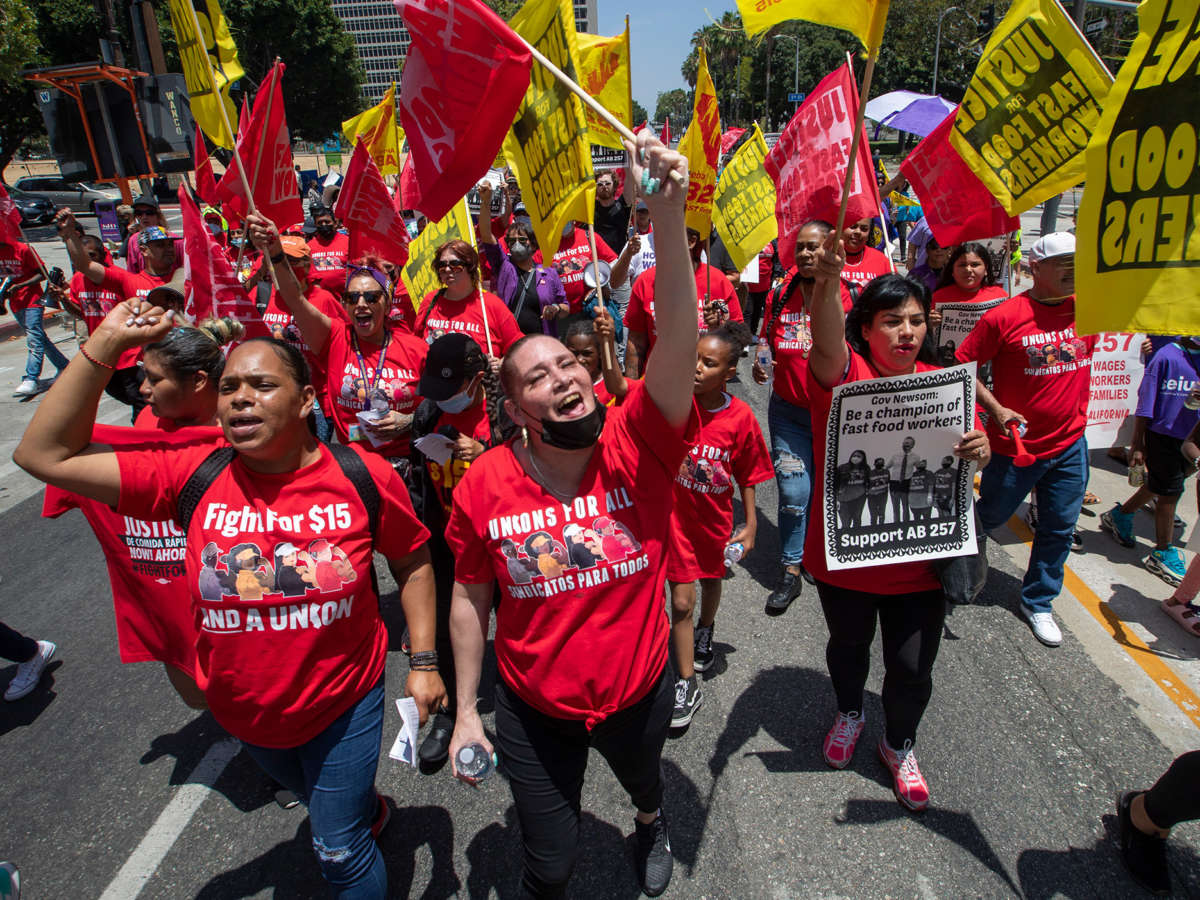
(356, 471)
(198, 484)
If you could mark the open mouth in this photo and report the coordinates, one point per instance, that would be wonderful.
(364, 319)
(243, 426)
(570, 406)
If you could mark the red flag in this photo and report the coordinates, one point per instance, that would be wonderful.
(366, 209)
(10, 219)
(266, 153)
(213, 286)
(244, 115)
(464, 78)
(808, 165)
(409, 194)
(729, 138)
(206, 184)
(638, 130)
(665, 137)
(957, 205)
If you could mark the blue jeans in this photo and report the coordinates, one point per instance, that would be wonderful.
(1060, 482)
(36, 342)
(334, 776)
(792, 456)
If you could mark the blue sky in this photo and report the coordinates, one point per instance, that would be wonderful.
(660, 34)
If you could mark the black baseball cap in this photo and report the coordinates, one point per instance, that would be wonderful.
(445, 367)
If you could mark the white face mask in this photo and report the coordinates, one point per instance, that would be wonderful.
(455, 404)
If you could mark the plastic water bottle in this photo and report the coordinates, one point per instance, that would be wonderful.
(733, 552)
(474, 763)
(762, 356)
(1137, 475)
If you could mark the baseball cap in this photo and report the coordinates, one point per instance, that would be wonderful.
(295, 247)
(153, 233)
(169, 295)
(146, 200)
(445, 367)
(1060, 243)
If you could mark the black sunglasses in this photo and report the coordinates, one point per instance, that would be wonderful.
(454, 265)
(352, 297)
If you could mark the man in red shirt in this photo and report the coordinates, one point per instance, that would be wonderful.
(1043, 369)
(330, 250)
(23, 295)
(862, 262)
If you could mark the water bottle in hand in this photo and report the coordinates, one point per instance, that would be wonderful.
(762, 356)
(474, 763)
(734, 552)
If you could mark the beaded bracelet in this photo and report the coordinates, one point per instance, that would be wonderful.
(83, 352)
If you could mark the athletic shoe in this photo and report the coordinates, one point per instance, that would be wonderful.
(907, 781)
(842, 738)
(687, 700)
(704, 654)
(383, 815)
(1145, 855)
(1119, 525)
(1045, 629)
(10, 882)
(27, 388)
(1167, 565)
(30, 673)
(786, 590)
(1031, 518)
(1076, 541)
(654, 862)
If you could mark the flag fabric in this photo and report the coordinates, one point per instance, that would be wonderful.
(418, 275)
(1033, 101)
(463, 81)
(266, 153)
(744, 204)
(957, 205)
(638, 128)
(730, 138)
(665, 136)
(1137, 254)
(206, 182)
(701, 144)
(378, 129)
(604, 73)
(10, 219)
(244, 115)
(365, 207)
(210, 64)
(862, 18)
(808, 164)
(548, 147)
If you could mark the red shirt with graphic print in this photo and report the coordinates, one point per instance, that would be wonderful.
(639, 316)
(791, 341)
(573, 254)
(440, 315)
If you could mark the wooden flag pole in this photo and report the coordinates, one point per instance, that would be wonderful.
(487, 334)
(858, 130)
(887, 239)
(608, 360)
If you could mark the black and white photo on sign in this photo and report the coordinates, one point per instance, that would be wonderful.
(894, 490)
(958, 319)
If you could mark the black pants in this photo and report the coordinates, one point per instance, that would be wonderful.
(877, 503)
(443, 579)
(545, 759)
(912, 631)
(1175, 797)
(15, 646)
(125, 385)
(757, 301)
(850, 511)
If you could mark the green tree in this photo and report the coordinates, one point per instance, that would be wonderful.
(18, 38)
(676, 104)
(639, 113)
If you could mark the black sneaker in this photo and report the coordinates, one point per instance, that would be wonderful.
(704, 654)
(807, 576)
(1076, 541)
(687, 700)
(1145, 855)
(786, 590)
(654, 862)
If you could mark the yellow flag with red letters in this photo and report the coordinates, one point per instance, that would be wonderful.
(378, 129)
(604, 73)
(701, 144)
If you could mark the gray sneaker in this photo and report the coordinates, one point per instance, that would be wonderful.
(687, 700)
(30, 673)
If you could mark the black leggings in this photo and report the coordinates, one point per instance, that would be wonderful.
(126, 385)
(545, 758)
(15, 646)
(912, 631)
(1175, 797)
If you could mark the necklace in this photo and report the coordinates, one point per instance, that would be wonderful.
(542, 480)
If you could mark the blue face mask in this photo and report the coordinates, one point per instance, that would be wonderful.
(455, 404)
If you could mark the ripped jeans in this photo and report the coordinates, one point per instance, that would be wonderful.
(792, 456)
(334, 776)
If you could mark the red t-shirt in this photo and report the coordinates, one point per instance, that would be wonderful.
(603, 396)
(145, 558)
(132, 284)
(791, 342)
(472, 422)
(96, 303)
(20, 261)
(573, 254)
(900, 578)
(581, 631)
(349, 386)
(282, 325)
(279, 573)
(329, 262)
(729, 447)
(952, 293)
(870, 265)
(439, 315)
(639, 316)
(1040, 368)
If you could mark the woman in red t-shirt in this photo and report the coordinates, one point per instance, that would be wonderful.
(581, 644)
(966, 278)
(279, 557)
(460, 304)
(883, 336)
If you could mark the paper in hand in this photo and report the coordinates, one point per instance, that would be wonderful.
(405, 747)
(437, 447)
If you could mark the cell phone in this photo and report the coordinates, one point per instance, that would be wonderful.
(57, 277)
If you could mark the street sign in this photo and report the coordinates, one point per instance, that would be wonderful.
(333, 159)
(1094, 28)
(796, 98)
(333, 145)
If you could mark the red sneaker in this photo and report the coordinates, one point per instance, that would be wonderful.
(843, 736)
(383, 815)
(907, 781)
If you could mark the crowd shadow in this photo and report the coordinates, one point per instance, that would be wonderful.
(1126, 605)
(762, 564)
(20, 713)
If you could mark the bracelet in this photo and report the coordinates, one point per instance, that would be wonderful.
(278, 258)
(423, 668)
(83, 352)
(423, 658)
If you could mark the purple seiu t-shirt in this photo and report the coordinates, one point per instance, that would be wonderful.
(1168, 379)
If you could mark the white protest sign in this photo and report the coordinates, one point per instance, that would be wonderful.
(1116, 374)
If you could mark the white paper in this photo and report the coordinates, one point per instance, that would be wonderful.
(749, 274)
(370, 416)
(405, 747)
(437, 447)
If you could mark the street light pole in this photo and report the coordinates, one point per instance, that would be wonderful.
(796, 70)
(937, 47)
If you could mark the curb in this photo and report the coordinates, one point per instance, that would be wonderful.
(11, 330)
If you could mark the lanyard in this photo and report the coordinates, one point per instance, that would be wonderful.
(362, 365)
(525, 281)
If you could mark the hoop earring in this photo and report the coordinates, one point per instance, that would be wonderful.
(525, 436)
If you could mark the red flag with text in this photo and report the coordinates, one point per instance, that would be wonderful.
(10, 219)
(367, 210)
(206, 183)
(464, 78)
(729, 138)
(957, 205)
(808, 164)
(665, 137)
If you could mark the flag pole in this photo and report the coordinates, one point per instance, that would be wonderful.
(487, 334)
(858, 130)
(399, 139)
(887, 239)
(608, 360)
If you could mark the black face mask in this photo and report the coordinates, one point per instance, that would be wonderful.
(574, 434)
(326, 231)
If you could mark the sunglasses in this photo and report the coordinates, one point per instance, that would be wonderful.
(452, 265)
(370, 297)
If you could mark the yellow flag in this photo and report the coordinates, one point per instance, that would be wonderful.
(379, 131)
(701, 144)
(744, 205)
(604, 73)
(1137, 257)
(418, 275)
(862, 18)
(1032, 103)
(210, 64)
(547, 145)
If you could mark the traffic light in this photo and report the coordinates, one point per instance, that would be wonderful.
(987, 21)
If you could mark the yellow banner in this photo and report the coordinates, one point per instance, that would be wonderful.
(862, 18)
(1032, 103)
(604, 73)
(381, 133)
(547, 146)
(418, 275)
(701, 144)
(210, 64)
(744, 205)
(1137, 257)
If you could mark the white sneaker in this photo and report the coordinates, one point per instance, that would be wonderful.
(27, 388)
(1045, 629)
(30, 673)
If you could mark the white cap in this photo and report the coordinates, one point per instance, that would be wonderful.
(1060, 243)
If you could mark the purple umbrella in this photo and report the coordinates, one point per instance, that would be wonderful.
(921, 116)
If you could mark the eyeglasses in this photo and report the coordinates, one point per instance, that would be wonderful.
(453, 265)
(370, 297)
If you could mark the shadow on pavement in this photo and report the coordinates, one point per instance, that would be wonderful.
(1126, 605)
(763, 562)
(19, 713)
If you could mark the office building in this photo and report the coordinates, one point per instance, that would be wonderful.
(585, 16)
(380, 38)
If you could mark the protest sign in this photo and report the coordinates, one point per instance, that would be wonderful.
(894, 491)
(1032, 103)
(744, 205)
(1138, 255)
(604, 73)
(957, 321)
(418, 275)
(1112, 392)
(607, 158)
